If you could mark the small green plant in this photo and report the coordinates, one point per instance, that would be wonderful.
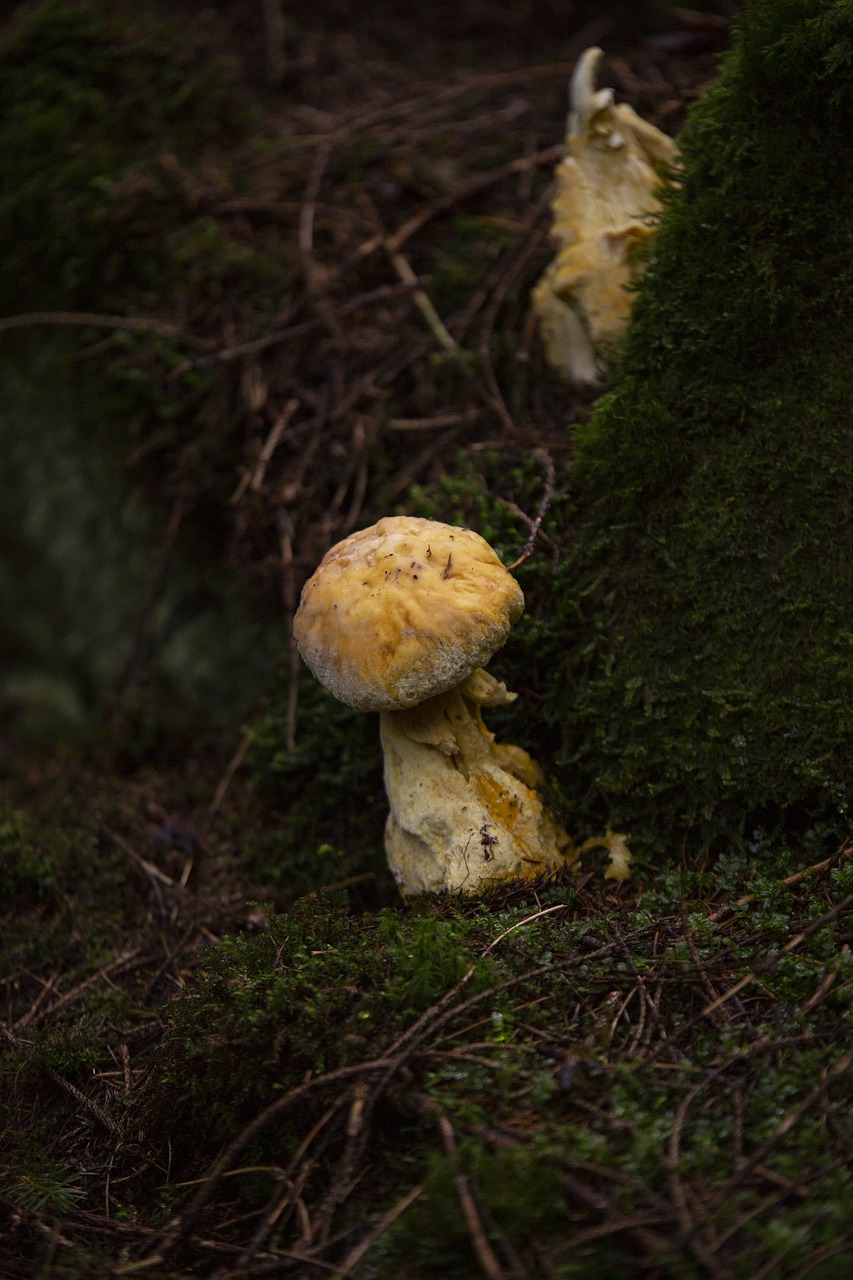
(426, 957)
(51, 1190)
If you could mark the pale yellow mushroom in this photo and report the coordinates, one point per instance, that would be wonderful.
(400, 619)
(603, 206)
(466, 813)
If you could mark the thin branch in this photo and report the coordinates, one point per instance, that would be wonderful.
(376, 1232)
(309, 204)
(38, 1014)
(483, 1251)
(384, 293)
(231, 769)
(181, 1225)
(541, 159)
(95, 320)
(839, 1068)
(422, 300)
(544, 457)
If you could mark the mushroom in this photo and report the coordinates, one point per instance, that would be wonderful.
(605, 193)
(400, 618)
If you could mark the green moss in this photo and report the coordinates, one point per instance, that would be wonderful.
(328, 792)
(703, 653)
(608, 1119)
(547, 1062)
(320, 990)
(42, 865)
(518, 1195)
(69, 906)
(468, 247)
(86, 95)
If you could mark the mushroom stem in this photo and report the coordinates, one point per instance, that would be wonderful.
(465, 811)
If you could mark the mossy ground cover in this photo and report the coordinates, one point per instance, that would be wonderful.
(229, 1050)
(540, 1084)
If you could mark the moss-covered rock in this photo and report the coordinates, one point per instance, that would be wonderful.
(704, 657)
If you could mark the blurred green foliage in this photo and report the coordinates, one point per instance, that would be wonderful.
(86, 95)
(104, 111)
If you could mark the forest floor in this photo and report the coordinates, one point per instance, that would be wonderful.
(228, 1049)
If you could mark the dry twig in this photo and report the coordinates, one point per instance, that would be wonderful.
(542, 456)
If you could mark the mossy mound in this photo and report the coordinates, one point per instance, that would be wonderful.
(654, 1085)
(704, 656)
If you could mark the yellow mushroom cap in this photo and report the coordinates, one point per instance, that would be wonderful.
(404, 610)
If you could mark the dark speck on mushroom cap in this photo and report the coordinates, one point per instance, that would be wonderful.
(404, 610)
